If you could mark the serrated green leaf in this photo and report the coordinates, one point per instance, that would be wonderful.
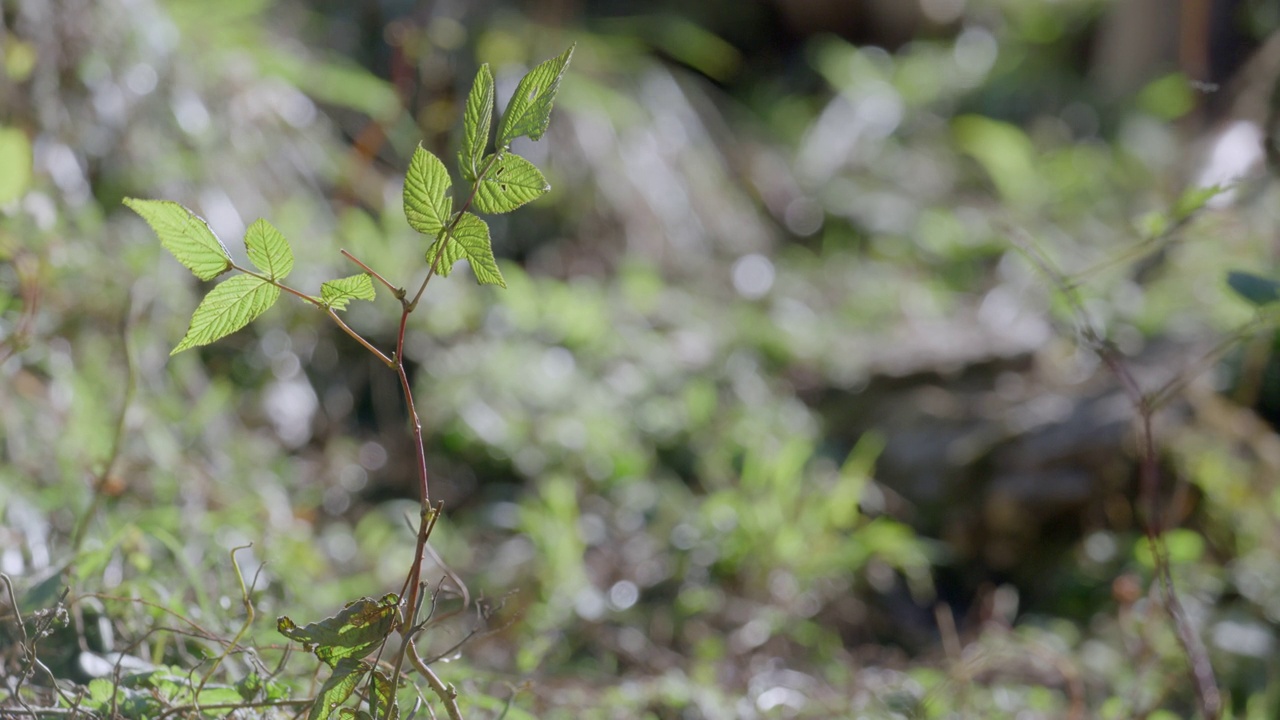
(351, 633)
(229, 306)
(335, 691)
(470, 240)
(101, 690)
(452, 253)
(510, 182)
(1256, 289)
(529, 111)
(426, 206)
(184, 234)
(476, 121)
(268, 250)
(337, 293)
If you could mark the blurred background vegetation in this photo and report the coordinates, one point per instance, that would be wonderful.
(776, 419)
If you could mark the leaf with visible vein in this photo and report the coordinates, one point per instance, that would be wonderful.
(229, 306)
(511, 182)
(470, 241)
(476, 121)
(185, 235)
(452, 254)
(426, 206)
(268, 250)
(337, 293)
(335, 691)
(529, 111)
(351, 633)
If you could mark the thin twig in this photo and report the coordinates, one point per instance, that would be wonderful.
(399, 292)
(248, 621)
(117, 438)
(1145, 405)
(448, 694)
(28, 651)
(29, 284)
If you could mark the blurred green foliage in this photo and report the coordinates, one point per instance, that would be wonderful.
(719, 450)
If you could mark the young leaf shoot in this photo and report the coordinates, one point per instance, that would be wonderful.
(476, 121)
(529, 111)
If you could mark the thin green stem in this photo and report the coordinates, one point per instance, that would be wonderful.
(117, 438)
(248, 620)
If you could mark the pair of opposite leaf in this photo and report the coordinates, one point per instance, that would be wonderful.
(502, 181)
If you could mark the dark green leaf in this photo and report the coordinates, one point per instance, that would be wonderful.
(249, 686)
(229, 306)
(268, 250)
(426, 206)
(529, 111)
(510, 182)
(351, 633)
(335, 691)
(384, 695)
(1254, 288)
(252, 687)
(476, 121)
(337, 293)
(185, 235)
(471, 241)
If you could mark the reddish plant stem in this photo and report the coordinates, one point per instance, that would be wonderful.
(410, 592)
(398, 292)
(1204, 683)
(412, 588)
